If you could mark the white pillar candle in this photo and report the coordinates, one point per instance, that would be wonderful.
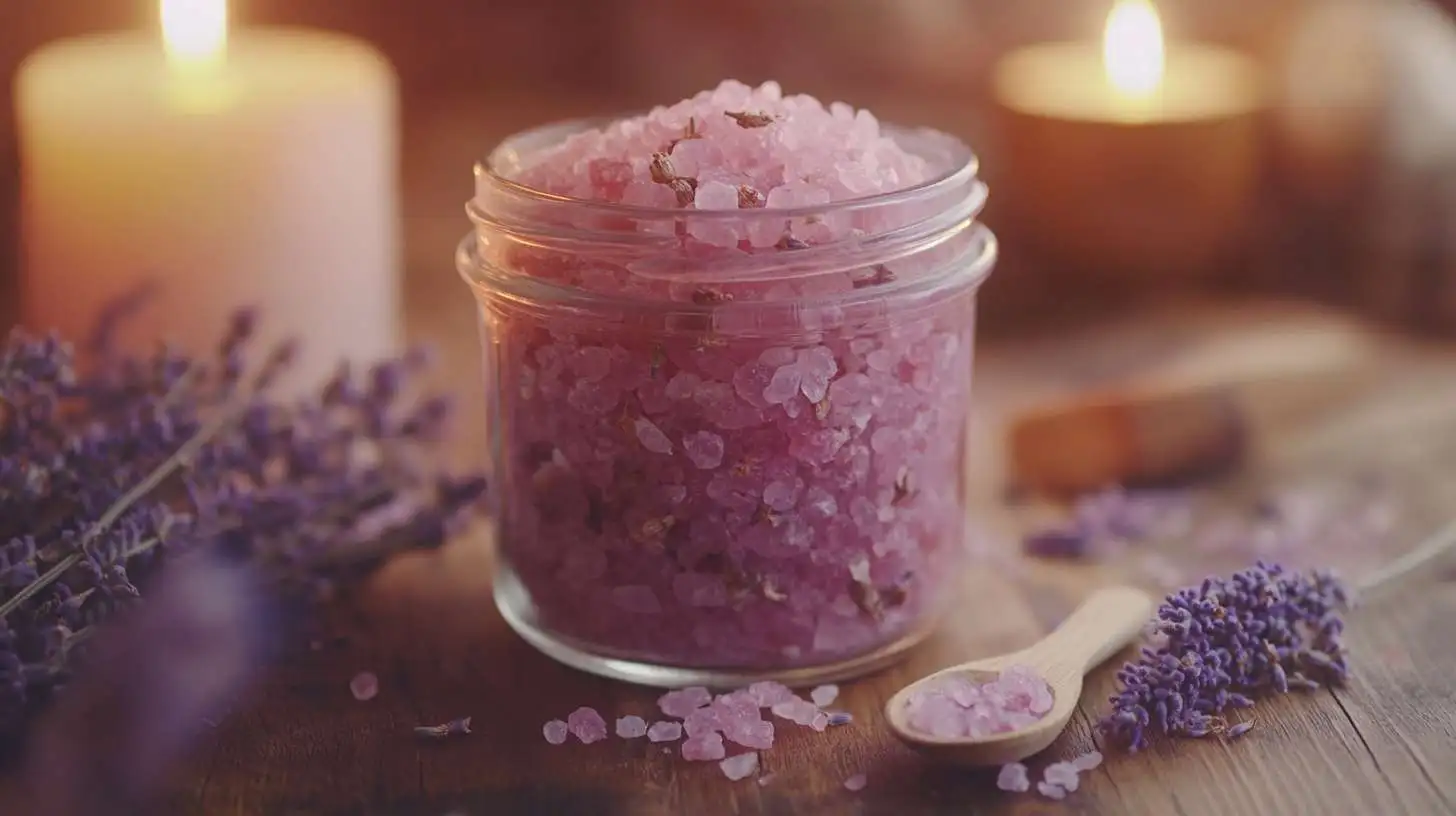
(260, 170)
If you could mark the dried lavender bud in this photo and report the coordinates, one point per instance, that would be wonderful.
(444, 730)
(747, 119)
(1224, 644)
(685, 189)
(750, 198)
(1240, 729)
(661, 169)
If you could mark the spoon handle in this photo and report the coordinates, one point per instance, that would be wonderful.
(1106, 622)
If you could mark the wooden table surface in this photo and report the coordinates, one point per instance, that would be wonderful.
(1384, 745)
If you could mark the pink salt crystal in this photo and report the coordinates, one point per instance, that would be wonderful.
(1050, 791)
(1061, 774)
(364, 686)
(1013, 778)
(856, 783)
(555, 732)
(631, 727)
(704, 449)
(704, 748)
(1088, 761)
(954, 705)
(796, 710)
(768, 693)
(664, 731)
(824, 695)
(640, 600)
(739, 767)
(587, 725)
(759, 735)
(652, 437)
(682, 702)
(702, 721)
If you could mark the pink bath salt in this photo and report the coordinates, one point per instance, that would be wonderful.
(1050, 791)
(1088, 761)
(364, 686)
(758, 735)
(682, 702)
(1061, 774)
(796, 710)
(665, 731)
(555, 732)
(1013, 778)
(704, 748)
(587, 725)
(702, 721)
(856, 782)
(823, 696)
(631, 727)
(688, 481)
(739, 767)
(768, 693)
(733, 132)
(955, 705)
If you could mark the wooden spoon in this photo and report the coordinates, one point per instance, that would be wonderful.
(1104, 624)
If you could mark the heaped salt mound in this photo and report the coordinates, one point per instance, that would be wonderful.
(733, 147)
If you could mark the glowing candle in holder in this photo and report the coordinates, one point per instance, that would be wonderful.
(256, 169)
(1132, 154)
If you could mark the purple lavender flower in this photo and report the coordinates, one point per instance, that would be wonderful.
(1226, 642)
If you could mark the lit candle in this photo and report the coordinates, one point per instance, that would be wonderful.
(1131, 154)
(259, 169)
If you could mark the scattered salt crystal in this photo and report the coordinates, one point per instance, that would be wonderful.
(587, 725)
(702, 721)
(555, 732)
(1013, 778)
(631, 727)
(1088, 761)
(1050, 791)
(665, 731)
(364, 686)
(1061, 774)
(704, 448)
(704, 748)
(652, 437)
(855, 783)
(796, 710)
(824, 695)
(758, 735)
(739, 767)
(768, 693)
(1240, 729)
(682, 702)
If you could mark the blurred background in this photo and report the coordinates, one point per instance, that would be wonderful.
(1350, 198)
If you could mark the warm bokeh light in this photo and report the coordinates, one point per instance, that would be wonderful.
(194, 31)
(1132, 48)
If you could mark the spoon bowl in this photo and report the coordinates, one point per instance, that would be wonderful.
(1102, 626)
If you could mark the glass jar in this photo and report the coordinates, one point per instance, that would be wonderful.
(727, 445)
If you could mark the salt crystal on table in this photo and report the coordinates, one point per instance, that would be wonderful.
(1050, 791)
(768, 693)
(759, 735)
(587, 725)
(555, 732)
(1061, 774)
(665, 731)
(739, 767)
(1013, 778)
(631, 727)
(855, 783)
(682, 702)
(824, 695)
(704, 748)
(1088, 761)
(796, 710)
(702, 721)
(364, 686)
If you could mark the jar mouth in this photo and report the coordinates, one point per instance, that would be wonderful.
(959, 167)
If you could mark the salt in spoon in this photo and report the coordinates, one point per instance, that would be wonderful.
(1105, 623)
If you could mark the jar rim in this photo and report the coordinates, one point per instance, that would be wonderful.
(963, 169)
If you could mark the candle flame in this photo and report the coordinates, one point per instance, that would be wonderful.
(1132, 48)
(194, 32)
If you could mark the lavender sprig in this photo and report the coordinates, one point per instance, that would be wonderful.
(107, 473)
(1262, 631)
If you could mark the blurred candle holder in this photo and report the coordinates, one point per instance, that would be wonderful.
(1132, 157)
(259, 169)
